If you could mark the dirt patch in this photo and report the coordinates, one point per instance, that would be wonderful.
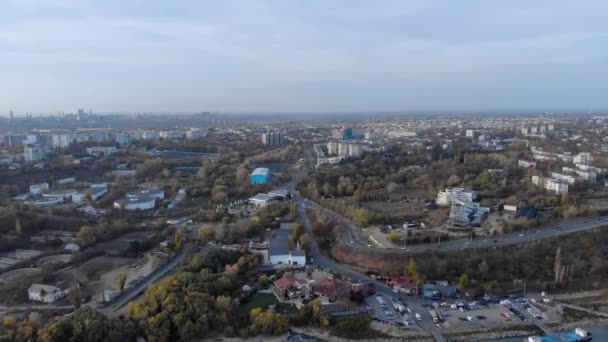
(102, 273)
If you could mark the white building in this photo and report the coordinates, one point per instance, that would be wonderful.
(550, 184)
(564, 178)
(466, 214)
(96, 191)
(279, 253)
(583, 158)
(150, 135)
(470, 133)
(140, 200)
(449, 195)
(34, 152)
(61, 140)
(526, 163)
(585, 176)
(99, 150)
(48, 293)
(39, 188)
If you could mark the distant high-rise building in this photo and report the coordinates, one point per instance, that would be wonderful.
(12, 116)
(272, 138)
(470, 133)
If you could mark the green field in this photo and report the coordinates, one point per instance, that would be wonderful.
(260, 300)
(264, 300)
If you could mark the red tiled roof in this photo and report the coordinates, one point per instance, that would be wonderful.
(285, 282)
(328, 287)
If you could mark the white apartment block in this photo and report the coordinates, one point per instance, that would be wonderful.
(586, 176)
(550, 184)
(583, 158)
(564, 178)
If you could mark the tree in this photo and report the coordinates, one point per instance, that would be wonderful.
(463, 281)
(178, 239)
(18, 228)
(122, 280)
(305, 241)
(56, 331)
(412, 270)
(86, 236)
(393, 237)
(76, 297)
(206, 234)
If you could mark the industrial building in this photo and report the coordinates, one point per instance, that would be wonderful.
(279, 253)
(260, 175)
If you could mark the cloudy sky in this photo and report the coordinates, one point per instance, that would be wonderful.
(302, 56)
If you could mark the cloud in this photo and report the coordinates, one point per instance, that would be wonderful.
(302, 56)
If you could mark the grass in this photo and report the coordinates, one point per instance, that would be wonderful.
(264, 300)
(260, 300)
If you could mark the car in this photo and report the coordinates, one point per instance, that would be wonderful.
(521, 235)
(418, 317)
(495, 241)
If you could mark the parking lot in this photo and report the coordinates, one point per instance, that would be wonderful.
(389, 311)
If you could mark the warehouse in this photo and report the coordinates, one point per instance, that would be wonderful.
(260, 175)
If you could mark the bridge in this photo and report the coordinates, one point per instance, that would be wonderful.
(542, 326)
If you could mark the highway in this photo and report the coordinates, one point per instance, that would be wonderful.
(500, 240)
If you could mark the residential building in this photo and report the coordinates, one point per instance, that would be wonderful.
(272, 138)
(260, 175)
(34, 152)
(61, 140)
(101, 150)
(330, 288)
(288, 288)
(583, 158)
(470, 133)
(526, 163)
(564, 178)
(550, 184)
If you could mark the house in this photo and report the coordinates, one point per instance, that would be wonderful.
(288, 288)
(330, 287)
(403, 284)
(279, 253)
(260, 175)
(48, 293)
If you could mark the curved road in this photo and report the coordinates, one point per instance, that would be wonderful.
(500, 240)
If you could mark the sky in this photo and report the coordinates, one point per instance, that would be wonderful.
(302, 56)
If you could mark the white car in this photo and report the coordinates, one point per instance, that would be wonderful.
(418, 317)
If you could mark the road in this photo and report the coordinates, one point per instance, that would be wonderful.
(414, 303)
(134, 291)
(502, 240)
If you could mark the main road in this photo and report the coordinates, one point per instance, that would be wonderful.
(530, 235)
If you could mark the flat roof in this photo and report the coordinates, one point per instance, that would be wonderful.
(261, 171)
(279, 245)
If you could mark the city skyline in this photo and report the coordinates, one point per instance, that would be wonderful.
(283, 57)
